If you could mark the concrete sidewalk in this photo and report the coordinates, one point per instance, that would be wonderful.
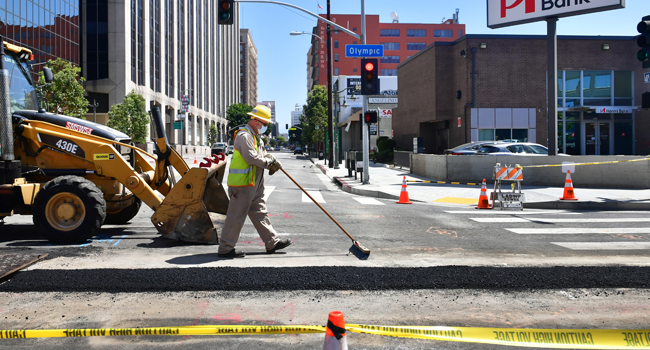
(386, 182)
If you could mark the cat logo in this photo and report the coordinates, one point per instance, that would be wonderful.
(104, 156)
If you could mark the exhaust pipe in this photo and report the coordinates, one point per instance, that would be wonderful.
(9, 168)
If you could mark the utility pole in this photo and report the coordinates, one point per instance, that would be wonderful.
(330, 118)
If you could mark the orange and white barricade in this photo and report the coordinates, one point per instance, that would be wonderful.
(508, 200)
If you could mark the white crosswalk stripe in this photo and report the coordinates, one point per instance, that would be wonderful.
(558, 221)
(267, 192)
(578, 230)
(604, 245)
(506, 212)
(314, 194)
(368, 201)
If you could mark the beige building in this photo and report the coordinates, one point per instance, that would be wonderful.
(163, 49)
(248, 68)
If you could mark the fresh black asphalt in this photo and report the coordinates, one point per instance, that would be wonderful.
(326, 278)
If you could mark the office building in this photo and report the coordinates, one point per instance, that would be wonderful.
(248, 68)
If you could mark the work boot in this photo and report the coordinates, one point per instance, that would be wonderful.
(280, 245)
(233, 254)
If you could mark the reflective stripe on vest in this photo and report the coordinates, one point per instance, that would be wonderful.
(240, 173)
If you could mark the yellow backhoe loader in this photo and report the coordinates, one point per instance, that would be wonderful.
(74, 175)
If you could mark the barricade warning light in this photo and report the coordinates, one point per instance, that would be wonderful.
(369, 76)
(225, 14)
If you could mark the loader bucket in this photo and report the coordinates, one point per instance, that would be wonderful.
(183, 214)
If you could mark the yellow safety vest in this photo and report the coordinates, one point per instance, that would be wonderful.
(241, 174)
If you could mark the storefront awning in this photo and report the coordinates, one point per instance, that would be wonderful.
(353, 118)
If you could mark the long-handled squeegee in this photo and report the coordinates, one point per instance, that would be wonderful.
(357, 249)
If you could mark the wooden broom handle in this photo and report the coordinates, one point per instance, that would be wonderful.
(312, 198)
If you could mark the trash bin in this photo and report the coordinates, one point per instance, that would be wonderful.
(320, 156)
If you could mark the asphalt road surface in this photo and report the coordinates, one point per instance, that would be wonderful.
(431, 264)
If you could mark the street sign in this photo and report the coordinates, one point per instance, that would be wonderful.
(646, 77)
(364, 50)
(185, 100)
(178, 125)
(373, 129)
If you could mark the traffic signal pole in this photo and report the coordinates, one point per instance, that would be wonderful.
(330, 118)
(365, 138)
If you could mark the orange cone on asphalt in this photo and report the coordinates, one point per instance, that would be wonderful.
(568, 189)
(483, 201)
(195, 162)
(404, 195)
(335, 338)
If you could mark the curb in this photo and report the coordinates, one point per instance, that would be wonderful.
(587, 205)
(363, 192)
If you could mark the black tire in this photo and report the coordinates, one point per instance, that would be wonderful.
(125, 215)
(84, 220)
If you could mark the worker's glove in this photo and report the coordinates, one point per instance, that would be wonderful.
(274, 164)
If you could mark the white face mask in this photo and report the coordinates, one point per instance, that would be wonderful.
(262, 129)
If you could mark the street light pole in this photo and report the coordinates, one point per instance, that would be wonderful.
(330, 119)
(94, 105)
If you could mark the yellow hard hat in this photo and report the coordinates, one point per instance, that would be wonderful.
(261, 112)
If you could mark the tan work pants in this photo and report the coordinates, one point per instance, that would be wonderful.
(247, 201)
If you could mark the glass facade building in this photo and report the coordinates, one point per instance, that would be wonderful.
(50, 28)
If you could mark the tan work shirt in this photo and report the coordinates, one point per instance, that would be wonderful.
(245, 144)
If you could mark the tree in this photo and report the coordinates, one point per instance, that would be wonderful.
(130, 117)
(236, 115)
(212, 134)
(65, 95)
(281, 141)
(273, 142)
(314, 118)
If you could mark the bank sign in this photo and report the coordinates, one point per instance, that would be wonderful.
(503, 13)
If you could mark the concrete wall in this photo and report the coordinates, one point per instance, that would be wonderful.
(476, 168)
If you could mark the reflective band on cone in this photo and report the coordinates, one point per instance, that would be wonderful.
(483, 202)
(335, 338)
(404, 195)
(195, 162)
(568, 189)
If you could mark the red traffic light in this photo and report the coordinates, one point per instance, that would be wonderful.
(369, 66)
(225, 5)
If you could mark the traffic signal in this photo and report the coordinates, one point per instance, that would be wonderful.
(226, 11)
(369, 76)
(370, 117)
(643, 41)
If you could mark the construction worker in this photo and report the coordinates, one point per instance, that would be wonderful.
(246, 187)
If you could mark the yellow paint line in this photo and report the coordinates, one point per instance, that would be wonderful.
(457, 200)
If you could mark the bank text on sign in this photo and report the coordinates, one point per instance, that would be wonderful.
(364, 50)
(503, 13)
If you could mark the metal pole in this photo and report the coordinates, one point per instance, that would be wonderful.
(364, 129)
(94, 106)
(551, 61)
(330, 119)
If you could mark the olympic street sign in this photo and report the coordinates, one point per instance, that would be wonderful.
(364, 50)
(504, 13)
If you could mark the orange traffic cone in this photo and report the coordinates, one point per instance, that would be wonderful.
(568, 189)
(483, 201)
(195, 162)
(404, 195)
(335, 332)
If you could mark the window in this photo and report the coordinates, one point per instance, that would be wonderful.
(460, 33)
(418, 33)
(415, 46)
(336, 57)
(390, 59)
(336, 44)
(391, 46)
(443, 33)
(388, 72)
(389, 32)
(597, 88)
(354, 29)
(354, 70)
(336, 71)
(623, 89)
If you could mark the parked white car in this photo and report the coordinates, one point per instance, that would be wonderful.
(514, 149)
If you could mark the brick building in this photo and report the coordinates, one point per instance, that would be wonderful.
(400, 40)
(493, 87)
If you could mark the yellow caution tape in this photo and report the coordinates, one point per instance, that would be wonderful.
(547, 338)
(594, 163)
(184, 330)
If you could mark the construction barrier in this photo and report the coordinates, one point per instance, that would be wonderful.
(592, 163)
(536, 338)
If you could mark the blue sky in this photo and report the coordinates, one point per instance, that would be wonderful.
(282, 59)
